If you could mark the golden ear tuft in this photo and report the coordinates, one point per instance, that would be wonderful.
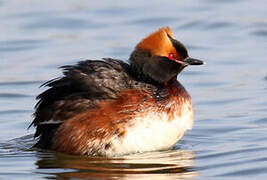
(158, 43)
(169, 32)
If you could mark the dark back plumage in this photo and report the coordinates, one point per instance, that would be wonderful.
(81, 88)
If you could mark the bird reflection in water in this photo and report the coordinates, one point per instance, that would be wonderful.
(171, 164)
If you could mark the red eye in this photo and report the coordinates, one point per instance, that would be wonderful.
(172, 56)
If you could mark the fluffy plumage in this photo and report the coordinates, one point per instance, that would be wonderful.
(109, 107)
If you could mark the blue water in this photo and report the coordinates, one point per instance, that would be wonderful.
(229, 138)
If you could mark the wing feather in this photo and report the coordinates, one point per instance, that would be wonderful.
(81, 88)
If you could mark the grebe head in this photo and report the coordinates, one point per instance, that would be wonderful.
(160, 57)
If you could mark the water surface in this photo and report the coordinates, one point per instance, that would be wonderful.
(229, 92)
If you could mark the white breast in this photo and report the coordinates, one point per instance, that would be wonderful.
(154, 130)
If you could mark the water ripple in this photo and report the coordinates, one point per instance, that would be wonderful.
(153, 21)
(20, 45)
(13, 95)
(231, 153)
(178, 163)
(261, 33)
(261, 121)
(12, 83)
(165, 164)
(192, 24)
(63, 23)
(222, 101)
(15, 111)
(217, 25)
(248, 171)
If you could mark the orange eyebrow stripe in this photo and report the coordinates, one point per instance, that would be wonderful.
(158, 43)
(169, 32)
